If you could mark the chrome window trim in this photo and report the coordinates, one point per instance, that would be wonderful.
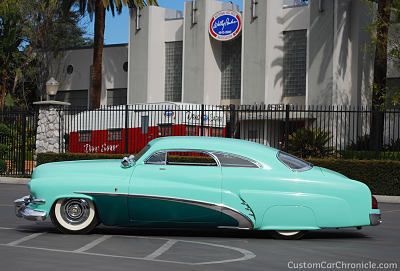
(155, 153)
(292, 169)
(257, 164)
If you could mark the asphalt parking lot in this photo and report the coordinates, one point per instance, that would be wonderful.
(26, 245)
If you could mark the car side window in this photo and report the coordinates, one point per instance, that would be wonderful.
(190, 158)
(231, 160)
(157, 158)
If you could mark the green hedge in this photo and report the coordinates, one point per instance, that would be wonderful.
(382, 176)
(3, 166)
(43, 158)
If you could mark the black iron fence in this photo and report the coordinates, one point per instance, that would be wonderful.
(17, 142)
(317, 131)
(307, 131)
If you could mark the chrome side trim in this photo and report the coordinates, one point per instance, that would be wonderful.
(242, 219)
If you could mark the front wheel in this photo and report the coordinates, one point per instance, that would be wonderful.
(288, 235)
(74, 216)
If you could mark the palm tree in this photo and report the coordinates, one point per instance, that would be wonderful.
(98, 9)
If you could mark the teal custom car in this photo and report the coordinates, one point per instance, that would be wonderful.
(198, 182)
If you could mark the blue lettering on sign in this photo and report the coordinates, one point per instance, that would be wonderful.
(225, 25)
(168, 113)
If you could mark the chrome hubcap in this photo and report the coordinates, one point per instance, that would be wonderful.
(75, 211)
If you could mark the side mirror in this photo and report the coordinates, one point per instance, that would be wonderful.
(128, 162)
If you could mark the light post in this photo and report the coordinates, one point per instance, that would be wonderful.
(51, 88)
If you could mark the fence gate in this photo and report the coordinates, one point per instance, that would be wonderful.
(17, 142)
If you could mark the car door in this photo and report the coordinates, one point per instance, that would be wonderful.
(178, 187)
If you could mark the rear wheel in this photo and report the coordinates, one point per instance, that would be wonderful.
(288, 235)
(74, 216)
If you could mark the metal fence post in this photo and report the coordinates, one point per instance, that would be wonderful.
(202, 120)
(287, 117)
(232, 120)
(126, 128)
(23, 144)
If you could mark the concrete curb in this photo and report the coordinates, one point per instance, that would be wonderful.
(11, 180)
(387, 199)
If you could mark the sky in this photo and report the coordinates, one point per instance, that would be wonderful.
(117, 27)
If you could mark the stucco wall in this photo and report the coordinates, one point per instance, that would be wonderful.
(114, 76)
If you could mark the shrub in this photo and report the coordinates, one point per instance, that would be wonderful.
(361, 144)
(3, 166)
(43, 158)
(382, 176)
(309, 143)
(393, 146)
(4, 130)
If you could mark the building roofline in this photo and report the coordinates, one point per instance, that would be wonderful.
(91, 46)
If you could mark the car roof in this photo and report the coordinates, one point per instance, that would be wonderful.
(244, 148)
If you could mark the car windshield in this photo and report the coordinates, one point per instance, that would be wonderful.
(293, 162)
(142, 152)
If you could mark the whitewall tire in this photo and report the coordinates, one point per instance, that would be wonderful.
(74, 215)
(288, 235)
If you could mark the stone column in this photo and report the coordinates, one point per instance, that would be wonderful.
(50, 122)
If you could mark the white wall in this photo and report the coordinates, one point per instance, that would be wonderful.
(114, 76)
(147, 53)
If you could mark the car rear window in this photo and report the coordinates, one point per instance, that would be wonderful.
(293, 162)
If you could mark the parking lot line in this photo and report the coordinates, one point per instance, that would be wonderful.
(161, 250)
(93, 243)
(4, 228)
(24, 239)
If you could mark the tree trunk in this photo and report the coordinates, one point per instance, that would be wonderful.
(98, 44)
(380, 73)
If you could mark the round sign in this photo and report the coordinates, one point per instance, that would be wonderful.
(225, 25)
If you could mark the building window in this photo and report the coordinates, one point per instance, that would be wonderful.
(70, 69)
(85, 136)
(173, 71)
(77, 98)
(116, 96)
(231, 65)
(165, 129)
(294, 62)
(114, 135)
(125, 66)
(294, 3)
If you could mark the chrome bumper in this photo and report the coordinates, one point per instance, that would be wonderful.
(22, 209)
(375, 219)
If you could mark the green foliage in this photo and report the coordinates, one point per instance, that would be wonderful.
(27, 29)
(43, 158)
(4, 130)
(370, 155)
(309, 143)
(381, 176)
(362, 143)
(4, 133)
(3, 166)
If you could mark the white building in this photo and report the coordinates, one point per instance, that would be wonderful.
(314, 52)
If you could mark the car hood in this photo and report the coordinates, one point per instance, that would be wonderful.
(77, 168)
